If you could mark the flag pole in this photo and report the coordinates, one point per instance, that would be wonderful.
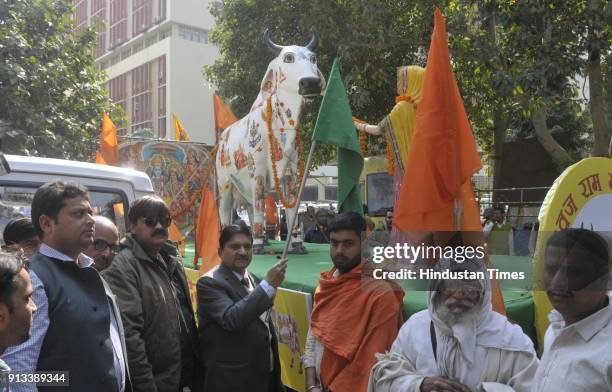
(458, 209)
(291, 225)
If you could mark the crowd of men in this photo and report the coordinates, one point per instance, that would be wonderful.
(116, 314)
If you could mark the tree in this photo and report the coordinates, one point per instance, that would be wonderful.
(515, 84)
(51, 95)
(371, 40)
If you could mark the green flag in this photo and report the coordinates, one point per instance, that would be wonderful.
(335, 126)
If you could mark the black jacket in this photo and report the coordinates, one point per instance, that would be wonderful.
(234, 341)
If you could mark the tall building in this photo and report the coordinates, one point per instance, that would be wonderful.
(153, 52)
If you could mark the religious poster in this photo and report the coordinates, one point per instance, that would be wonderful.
(177, 171)
(291, 317)
(581, 197)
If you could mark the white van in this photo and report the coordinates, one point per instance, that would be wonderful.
(111, 189)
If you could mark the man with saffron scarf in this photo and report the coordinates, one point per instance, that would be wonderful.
(354, 316)
(458, 344)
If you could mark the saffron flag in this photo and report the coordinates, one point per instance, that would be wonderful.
(335, 126)
(179, 130)
(208, 230)
(109, 147)
(99, 159)
(443, 157)
(175, 235)
(223, 114)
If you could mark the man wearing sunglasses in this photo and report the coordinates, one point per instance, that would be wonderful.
(105, 244)
(148, 278)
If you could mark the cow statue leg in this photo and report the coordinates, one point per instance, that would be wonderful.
(226, 202)
(258, 212)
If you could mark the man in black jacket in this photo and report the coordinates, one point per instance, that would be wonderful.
(238, 342)
(152, 293)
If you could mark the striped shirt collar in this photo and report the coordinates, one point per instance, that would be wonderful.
(83, 261)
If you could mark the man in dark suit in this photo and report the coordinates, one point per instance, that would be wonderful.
(237, 338)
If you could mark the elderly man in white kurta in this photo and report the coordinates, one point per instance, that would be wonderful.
(578, 343)
(458, 344)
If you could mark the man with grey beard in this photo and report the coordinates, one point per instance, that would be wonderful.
(458, 344)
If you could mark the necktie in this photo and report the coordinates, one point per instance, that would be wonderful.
(244, 282)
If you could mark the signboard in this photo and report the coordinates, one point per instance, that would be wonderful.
(291, 317)
(177, 171)
(581, 197)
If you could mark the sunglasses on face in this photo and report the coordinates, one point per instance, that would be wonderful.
(152, 222)
(101, 245)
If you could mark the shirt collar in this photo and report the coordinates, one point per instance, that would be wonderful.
(586, 328)
(83, 260)
(240, 277)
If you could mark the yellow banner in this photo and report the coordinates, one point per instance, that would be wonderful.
(192, 281)
(291, 317)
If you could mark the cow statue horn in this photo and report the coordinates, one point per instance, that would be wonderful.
(276, 49)
(312, 45)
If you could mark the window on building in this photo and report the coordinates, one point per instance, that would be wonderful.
(162, 10)
(118, 22)
(98, 19)
(310, 193)
(161, 96)
(142, 15)
(191, 34)
(80, 14)
(117, 89)
(141, 98)
(331, 193)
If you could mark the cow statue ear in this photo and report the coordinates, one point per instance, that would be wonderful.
(267, 84)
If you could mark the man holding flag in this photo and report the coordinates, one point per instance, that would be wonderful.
(354, 316)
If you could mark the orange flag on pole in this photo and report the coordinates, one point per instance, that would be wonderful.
(443, 158)
(223, 114)
(109, 147)
(99, 159)
(208, 230)
(175, 235)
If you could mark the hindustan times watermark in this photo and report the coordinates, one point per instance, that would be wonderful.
(428, 274)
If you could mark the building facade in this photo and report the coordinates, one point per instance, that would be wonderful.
(153, 52)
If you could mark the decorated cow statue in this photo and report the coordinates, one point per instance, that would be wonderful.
(259, 154)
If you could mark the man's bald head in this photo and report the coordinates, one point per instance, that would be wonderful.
(105, 244)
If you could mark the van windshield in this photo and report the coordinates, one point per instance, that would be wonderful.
(15, 202)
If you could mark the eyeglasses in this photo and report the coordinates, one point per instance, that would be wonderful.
(101, 245)
(152, 222)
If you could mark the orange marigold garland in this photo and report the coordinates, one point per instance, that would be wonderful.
(298, 145)
(363, 136)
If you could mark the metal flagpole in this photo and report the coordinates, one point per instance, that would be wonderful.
(291, 224)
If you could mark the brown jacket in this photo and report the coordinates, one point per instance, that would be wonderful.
(150, 315)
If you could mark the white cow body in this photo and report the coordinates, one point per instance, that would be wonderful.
(244, 157)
